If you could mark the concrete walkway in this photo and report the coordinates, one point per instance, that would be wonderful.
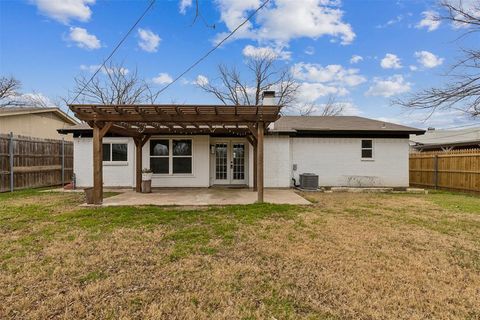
(202, 197)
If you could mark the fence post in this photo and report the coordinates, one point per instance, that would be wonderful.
(11, 162)
(435, 172)
(63, 162)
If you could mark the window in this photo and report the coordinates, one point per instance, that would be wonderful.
(182, 156)
(171, 156)
(367, 149)
(114, 152)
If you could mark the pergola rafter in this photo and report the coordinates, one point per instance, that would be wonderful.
(142, 121)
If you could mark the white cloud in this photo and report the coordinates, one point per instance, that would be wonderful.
(348, 109)
(334, 74)
(388, 87)
(355, 59)
(149, 40)
(65, 10)
(83, 39)
(162, 78)
(92, 68)
(309, 50)
(310, 92)
(391, 61)
(34, 99)
(424, 118)
(429, 21)
(390, 22)
(413, 68)
(184, 5)
(428, 59)
(276, 53)
(284, 20)
(89, 68)
(201, 80)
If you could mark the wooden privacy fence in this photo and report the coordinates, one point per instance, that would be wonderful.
(457, 170)
(27, 162)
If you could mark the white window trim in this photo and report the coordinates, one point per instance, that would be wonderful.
(372, 148)
(171, 156)
(112, 163)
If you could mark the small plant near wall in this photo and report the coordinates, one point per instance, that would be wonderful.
(147, 174)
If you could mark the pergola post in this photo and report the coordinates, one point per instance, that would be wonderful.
(139, 143)
(260, 131)
(255, 155)
(253, 141)
(98, 134)
(138, 167)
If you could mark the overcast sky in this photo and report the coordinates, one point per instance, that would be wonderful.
(364, 52)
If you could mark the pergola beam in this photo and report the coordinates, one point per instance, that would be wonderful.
(181, 119)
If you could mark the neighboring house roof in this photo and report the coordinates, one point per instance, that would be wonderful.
(78, 127)
(447, 138)
(14, 111)
(332, 124)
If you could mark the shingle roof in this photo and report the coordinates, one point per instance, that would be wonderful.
(338, 123)
(315, 123)
(7, 110)
(10, 111)
(447, 137)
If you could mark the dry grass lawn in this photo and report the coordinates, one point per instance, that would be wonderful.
(349, 256)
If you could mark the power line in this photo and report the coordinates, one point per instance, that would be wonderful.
(115, 49)
(214, 48)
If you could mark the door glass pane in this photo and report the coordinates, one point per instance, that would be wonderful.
(106, 151)
(182, 165)
(159, 147)
(238, 154)
(221, 161)
(119, 152)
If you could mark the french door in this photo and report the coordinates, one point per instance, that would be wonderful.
(230, 162)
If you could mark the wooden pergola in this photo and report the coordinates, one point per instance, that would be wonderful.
(142, 121)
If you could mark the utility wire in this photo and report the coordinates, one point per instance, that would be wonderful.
(115, 49)
(214, 48)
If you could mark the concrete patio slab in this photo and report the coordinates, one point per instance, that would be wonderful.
(203, 197)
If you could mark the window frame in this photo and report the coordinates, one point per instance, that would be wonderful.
(170, 156)
(372, 149)
(112, 162)
(182, 156)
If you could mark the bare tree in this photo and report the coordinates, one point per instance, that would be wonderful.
(265, 75)
(463, 90)
(328, 109)
(114, 85)
(11, 96)
(9, 89)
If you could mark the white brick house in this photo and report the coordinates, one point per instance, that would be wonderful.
(341, 150)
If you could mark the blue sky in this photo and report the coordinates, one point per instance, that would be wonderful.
(364, 52)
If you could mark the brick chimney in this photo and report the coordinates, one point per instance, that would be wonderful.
(268, 98)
